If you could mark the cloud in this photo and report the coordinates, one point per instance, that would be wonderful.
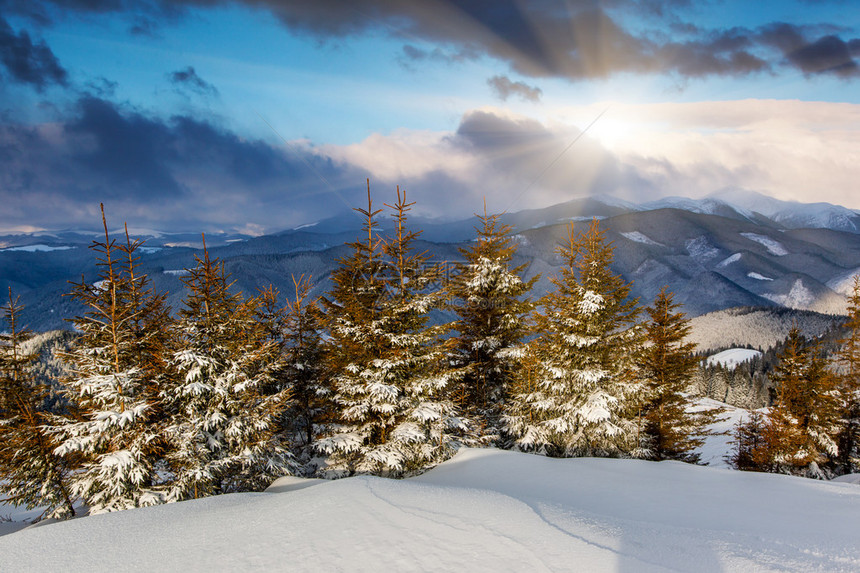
(29, 62)
(828, 54)
(505, 88)
(578, 39)
(804, 151)
(179, 173)
(187, 79)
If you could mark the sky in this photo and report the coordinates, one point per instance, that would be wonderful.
(262, 115)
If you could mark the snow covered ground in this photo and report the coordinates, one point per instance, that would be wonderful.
(483, 510)
(732, 357)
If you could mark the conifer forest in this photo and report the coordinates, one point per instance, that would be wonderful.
(403, 362)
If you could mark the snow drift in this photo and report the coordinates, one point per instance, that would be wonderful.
(485, 510)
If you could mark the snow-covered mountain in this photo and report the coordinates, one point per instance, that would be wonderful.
(712, 253)
(483, 510)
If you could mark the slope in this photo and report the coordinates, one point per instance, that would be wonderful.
(484, 510)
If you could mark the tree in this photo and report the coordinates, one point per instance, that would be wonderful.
(799, 433)
(30, 473)
(118, 366)
(849, 387)
(747, 440)
(586, 393)
(391, 381)
(673, 428)
(297, 331)
(492, 320)
(224, 427)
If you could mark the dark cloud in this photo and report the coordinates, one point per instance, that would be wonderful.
(504, 88)
(188, 79)
(577, 39)
(826, 54)
(29, 62)
(180, 173)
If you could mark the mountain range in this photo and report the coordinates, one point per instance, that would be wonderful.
(726, 250)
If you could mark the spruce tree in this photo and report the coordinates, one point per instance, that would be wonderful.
(224, 429)
(297, 330)
(799, 433)
(492, 320)
(849, 387)
(392, 383)
(672, 428)
(31, 475)
(747, 442)
(118, 432)
(587, 392)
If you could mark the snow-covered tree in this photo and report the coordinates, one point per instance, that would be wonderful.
(297, 330)
(31, 475)
(224, 427)
(117, 363)
(489, 298)
(586, 393)
(391, 378)
(672, 428)
(799, 434)
(849, 387)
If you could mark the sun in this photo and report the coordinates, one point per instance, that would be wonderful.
(612, 133)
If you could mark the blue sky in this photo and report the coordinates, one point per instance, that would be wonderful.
(260, 115)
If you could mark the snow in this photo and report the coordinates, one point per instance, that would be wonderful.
(701, 249)
(38, 248)
(483, 510)
(773, 247)
(729, 260)
(758, 277)
(732, 357)
(638, 237)
(798, 297)
(176, 272)
(844, 283)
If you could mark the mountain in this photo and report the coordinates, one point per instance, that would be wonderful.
(483, 510)
(712, 254)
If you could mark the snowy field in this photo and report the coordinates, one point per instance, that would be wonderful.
(732, 357)
(483, 510)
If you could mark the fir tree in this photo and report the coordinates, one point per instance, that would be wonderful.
(224, 429)
(849, 387)
(799, 434)
(297, 330)
(587, 394)
(31, 474)
(392, 384)
(117, 370)
(673, 428)
(747, 441)
(492, 320)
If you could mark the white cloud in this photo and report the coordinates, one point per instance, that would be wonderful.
(794, 150)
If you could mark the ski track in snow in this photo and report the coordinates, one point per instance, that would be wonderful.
(483, 510)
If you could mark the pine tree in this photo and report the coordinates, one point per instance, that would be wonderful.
(673, 428)
(30, 473)
(297, 331)
(587, 394)
(492, 320)
(117, 370)
(799, 434)
(224, 429)
(849, 387)
(392, 383)
(747, 440)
